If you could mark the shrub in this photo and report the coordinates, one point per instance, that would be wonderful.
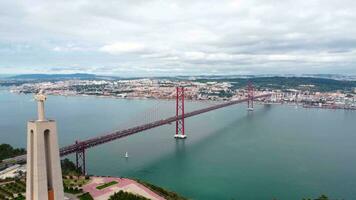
(121, 195)
(85, 196)
(105, 185)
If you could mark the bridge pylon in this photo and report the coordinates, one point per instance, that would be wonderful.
(180, 130)
(250, 96)
(80, 158)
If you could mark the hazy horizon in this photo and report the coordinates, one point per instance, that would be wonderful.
(329, 76)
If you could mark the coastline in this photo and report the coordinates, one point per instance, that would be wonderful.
(306, 106)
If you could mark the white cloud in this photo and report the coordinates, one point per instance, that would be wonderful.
(202, 36)
(68, 48)
(123, 47)
(195, 55)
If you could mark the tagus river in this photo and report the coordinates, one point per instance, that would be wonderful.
(277, 151)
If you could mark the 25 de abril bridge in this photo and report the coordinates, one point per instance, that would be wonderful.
(79, 147)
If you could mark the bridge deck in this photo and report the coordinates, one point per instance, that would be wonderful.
(123, 133)
(85, 144)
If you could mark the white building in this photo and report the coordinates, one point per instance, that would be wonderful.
(12, 172)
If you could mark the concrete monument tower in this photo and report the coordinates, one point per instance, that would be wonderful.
(44, 174)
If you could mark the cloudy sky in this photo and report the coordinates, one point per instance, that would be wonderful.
(183, 37)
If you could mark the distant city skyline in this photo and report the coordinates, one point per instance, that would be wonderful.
(168, 38)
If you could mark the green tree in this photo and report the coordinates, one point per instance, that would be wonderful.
(7, 151)
(69, 168)
(322, 197)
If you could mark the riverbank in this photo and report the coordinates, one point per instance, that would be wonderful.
(83, 187)
(103, 187)
(93, 188)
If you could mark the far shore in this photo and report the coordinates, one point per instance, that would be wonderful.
(193, 100)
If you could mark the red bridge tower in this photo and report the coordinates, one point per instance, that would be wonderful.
(250, 96)
(80, 158)
(180, 132)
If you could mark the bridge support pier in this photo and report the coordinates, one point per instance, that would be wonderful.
(80, 159)
(180, 129)
(250, 96)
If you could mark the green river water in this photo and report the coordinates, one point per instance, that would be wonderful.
(277, 151)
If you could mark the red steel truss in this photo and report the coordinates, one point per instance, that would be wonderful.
(180, 131)
(79, 148)
(123, 133)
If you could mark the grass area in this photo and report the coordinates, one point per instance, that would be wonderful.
(162, 192)
(75, 181)
(105, 185)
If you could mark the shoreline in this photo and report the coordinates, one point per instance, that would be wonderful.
(306, 106)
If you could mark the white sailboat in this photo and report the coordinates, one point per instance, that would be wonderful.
(126, 154)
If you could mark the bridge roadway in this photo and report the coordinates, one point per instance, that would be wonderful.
(123, 133)
(85, 144)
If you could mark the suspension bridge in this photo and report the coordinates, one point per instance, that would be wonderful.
(79, 147)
